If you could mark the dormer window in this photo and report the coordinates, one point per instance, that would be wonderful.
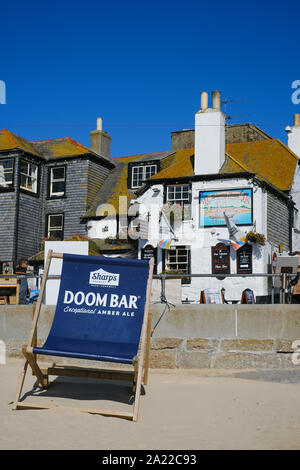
(139, 173)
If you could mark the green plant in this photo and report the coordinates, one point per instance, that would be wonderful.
(254, 237)
(173, 272)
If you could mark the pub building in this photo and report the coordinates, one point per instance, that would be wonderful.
(183, 194)
(212, 180)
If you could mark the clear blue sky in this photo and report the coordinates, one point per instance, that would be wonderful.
(142, 65)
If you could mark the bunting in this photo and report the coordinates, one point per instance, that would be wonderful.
(164, 244)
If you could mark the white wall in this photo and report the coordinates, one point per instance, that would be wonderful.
(52, 286)
(294, 144)
(201, 240)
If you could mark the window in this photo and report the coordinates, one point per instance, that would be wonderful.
(6, 173)
(141, 173)
(57, 181)
(177, 261)
(180, 194)
(55, 223)
(29, 172)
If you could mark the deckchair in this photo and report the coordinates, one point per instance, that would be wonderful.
(248, 297)
(212, 296)
(102, 314)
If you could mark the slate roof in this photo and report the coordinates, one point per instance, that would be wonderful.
(51, 149)
(116, 183)
(97, 247)
(11, 141)
(249, 150)
(270, 159)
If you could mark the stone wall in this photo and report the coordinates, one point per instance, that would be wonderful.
(193, 336)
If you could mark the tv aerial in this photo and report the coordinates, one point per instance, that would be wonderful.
(225, 103)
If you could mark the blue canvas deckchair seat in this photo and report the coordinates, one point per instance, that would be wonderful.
(100, 310)
(101, 313)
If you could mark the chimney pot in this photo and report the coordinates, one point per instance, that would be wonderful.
(99, 124)
(216, 100)
(297, 120)
(204, 100)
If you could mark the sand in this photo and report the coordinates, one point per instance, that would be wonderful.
(192, 410)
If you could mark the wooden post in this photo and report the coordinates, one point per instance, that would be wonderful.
(39, 301)
(20, 385)
(147, 356)
(143, 343)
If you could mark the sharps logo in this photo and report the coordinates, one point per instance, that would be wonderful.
(2, 92)
(104, 278)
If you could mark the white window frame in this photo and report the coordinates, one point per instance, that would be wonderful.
(56, 180)
(55, 227)
(174, 265)
(178, 200)
(142, 170)
(6, 171)
(30, 175)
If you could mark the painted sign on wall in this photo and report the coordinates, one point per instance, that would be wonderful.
(236, 203)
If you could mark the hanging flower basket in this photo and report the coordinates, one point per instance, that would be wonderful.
(254, 237)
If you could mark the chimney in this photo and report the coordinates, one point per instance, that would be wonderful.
(209, 136)
(293, 133)
(100, 141)
(184, 139)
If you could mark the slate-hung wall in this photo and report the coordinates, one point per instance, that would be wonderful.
(20, 212)
(8, 212)
(55, 178)
(278, 221)
(29, 210)
(72, 203)
(83, 178)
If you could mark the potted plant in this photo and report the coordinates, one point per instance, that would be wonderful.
(254, 237)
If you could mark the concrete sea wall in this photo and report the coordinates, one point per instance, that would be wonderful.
(192, 336)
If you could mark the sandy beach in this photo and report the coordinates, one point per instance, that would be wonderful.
(181, 409)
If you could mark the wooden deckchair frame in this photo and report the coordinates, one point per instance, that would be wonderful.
(139, 375)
